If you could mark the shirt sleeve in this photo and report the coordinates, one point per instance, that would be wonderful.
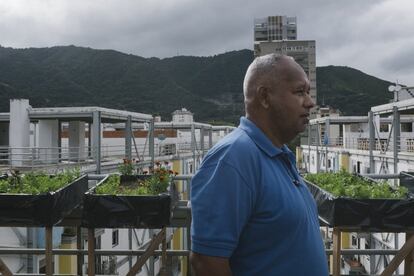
(221, 205)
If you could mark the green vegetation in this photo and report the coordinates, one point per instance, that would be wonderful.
(127, 167)
(211, 87)
(155, 183)
(36, 183)
(348, 185)
(350, 90)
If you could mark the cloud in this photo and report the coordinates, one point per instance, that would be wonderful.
(370, 35)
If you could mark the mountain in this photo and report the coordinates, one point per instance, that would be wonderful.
(211, 87)
(350, 90)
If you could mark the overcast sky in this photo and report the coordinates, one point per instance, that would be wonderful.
(375, 36)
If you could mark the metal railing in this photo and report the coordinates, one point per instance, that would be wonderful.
(362, 143)
(47, 158)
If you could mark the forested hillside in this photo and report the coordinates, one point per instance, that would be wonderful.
(211, 87)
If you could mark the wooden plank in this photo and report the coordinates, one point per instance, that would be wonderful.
(409, 260)
(48, 253)
(91, 252)
(79, 246)
(405, 250)
(164, 254)
(336, 266)
(154, 244)
(5, 271)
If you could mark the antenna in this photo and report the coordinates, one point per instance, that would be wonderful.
(395, 89)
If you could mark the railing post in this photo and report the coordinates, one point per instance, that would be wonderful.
(151, 143)
(371, 141)
(96, 139)
(193, 147)
(396, 138)
(128, 138)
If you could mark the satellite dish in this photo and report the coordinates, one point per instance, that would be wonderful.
(391, 88)
(397, 88)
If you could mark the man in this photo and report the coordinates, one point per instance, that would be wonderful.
(252, 213)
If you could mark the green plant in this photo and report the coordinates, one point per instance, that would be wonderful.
(155, 183)
(127, 167)
(36, 182)
(345, 184)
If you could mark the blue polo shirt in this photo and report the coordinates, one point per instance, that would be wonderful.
(250, 205)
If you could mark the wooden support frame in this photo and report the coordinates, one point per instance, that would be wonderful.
(79, 246)
(48, 248)
(154, 244)
(405, 253)
(409, 260)
(4, 270)
(336, 255)
(91, 252)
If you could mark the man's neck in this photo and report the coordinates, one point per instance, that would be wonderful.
(264, 127)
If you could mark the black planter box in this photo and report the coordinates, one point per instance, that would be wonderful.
(381, 215)
(125, 211)
(44, 209)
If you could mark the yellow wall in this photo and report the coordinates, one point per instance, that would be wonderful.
(344, 161)
(67, 263)
(345, 240)
(298, 155)
(177, 240)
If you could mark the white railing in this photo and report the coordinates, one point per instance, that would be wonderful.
(362, 143)
(30, 158)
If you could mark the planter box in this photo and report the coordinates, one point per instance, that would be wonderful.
(125, 211)
(44, 209)
(392, 215)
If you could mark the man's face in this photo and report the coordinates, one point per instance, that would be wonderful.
(289, 101)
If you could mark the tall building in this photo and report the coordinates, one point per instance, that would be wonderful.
(277, 34)
(275, 28)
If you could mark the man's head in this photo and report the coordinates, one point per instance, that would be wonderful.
(276, 97)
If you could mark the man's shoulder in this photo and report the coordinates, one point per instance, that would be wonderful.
(232, 148)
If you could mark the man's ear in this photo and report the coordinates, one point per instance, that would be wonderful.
(263, 96)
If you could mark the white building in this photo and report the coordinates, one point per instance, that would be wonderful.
(96, 139)
(275, 28)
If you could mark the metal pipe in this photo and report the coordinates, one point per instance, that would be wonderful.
(97, 252)
(381, 176)
(396, 137)
(371, 141)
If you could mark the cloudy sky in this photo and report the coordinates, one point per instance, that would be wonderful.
(375, 36)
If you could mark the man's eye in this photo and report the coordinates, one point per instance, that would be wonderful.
(300, 92)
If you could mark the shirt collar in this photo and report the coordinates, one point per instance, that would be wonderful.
(261, 140)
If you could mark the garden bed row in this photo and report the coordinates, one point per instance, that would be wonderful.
(355, 202)
(21, 205)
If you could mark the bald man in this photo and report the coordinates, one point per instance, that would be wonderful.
(251, 212)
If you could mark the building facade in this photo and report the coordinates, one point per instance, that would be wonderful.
(275, 28)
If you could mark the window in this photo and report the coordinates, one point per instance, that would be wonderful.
(384, 128)
(354, 240)
(115, 237)
(406, 127)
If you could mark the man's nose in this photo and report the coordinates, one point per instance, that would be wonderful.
(309, 102)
